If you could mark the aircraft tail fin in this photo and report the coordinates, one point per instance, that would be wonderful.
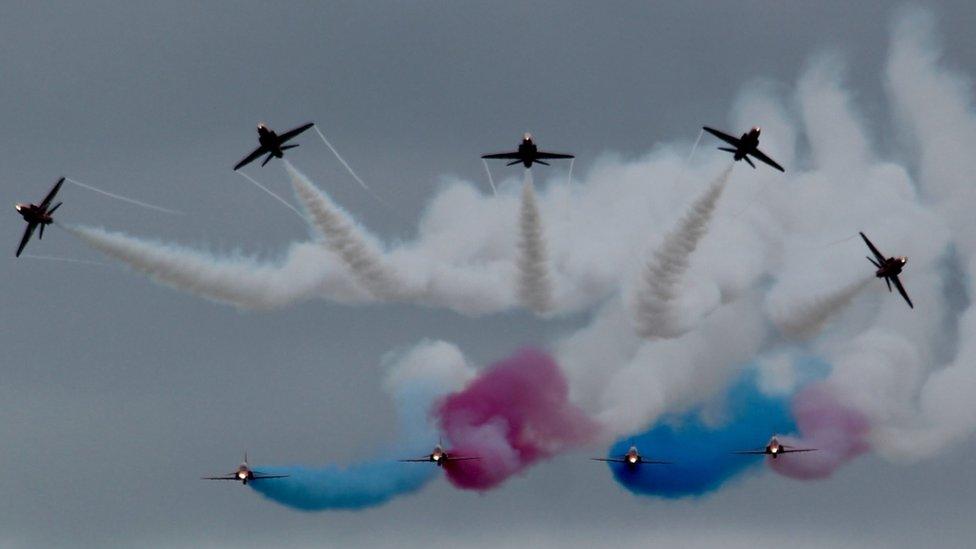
(41, 235)
(51, 211)
(513, 162)
(888, 280)
(267, 159)
(727, 149)
(541, 162)
(873, 262)
(749, 160)
(286, 147)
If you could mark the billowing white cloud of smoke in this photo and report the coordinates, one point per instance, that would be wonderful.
(781, 256)
(658, 311)
(786, 259)
(534, 286)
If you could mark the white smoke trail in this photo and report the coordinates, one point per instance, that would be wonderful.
(237, 281)
(122, 198)
(534, 285)
(491, 181)
(346, 239)
(656, 314)
(806, 319)
(569, 176)
(284, 202)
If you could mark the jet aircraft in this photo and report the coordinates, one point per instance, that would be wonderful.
(632, 459)
(527, 153)
(244, 474)
(272, 144)
(438, 456)
(889, 269)
(744, 147)
(38, 214)
(774, 448)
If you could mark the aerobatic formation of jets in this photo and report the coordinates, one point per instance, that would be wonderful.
(273, 145)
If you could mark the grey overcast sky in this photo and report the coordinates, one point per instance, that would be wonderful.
(118, 393)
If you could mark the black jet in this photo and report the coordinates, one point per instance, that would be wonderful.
(889, 268)
(438, 456)
(272, 144)
(745, 146)
(632, 459)
(244, 474)
(38, 214)
(774, 448)
(527, 153)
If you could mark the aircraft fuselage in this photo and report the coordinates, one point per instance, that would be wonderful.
(891, 267)
(34, 214)
(270, 140)
(748, 143)
(527, 150)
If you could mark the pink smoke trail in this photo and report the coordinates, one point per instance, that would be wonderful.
(512, 415)
(838, 431)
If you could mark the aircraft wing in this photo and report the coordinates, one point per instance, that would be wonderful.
(751, 452)
(27, 235)
(251, 157)
(759, 155)
(901, 290)
(734, 141)
(420, 460)
(877, 254)
(50, 196)
(655, 462)
(260, 476)
(510, 155)
(545, 155)
(223, 477)
(610, 460)
(452, 458)
(292, 133)
(795, 450)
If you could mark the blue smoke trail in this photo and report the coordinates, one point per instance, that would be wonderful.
(367, 483)
(701, 453)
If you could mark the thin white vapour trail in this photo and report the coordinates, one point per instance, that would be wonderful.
(66, 259)
(661, 279)
(122, 198)
(346, 165)
(534, 285)
(272, 194)
(569, 177)
(490, 180)
(691, 154)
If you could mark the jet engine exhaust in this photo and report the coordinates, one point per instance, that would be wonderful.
(534, 283)
(347, 240)
(656, 315)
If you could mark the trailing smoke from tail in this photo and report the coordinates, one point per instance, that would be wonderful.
(837, 431)
(657, 316)
(700, 451)
(417, 381)
(512, 415)
(534, 284)
(238, 281)
(807, 319)
(345, 238)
